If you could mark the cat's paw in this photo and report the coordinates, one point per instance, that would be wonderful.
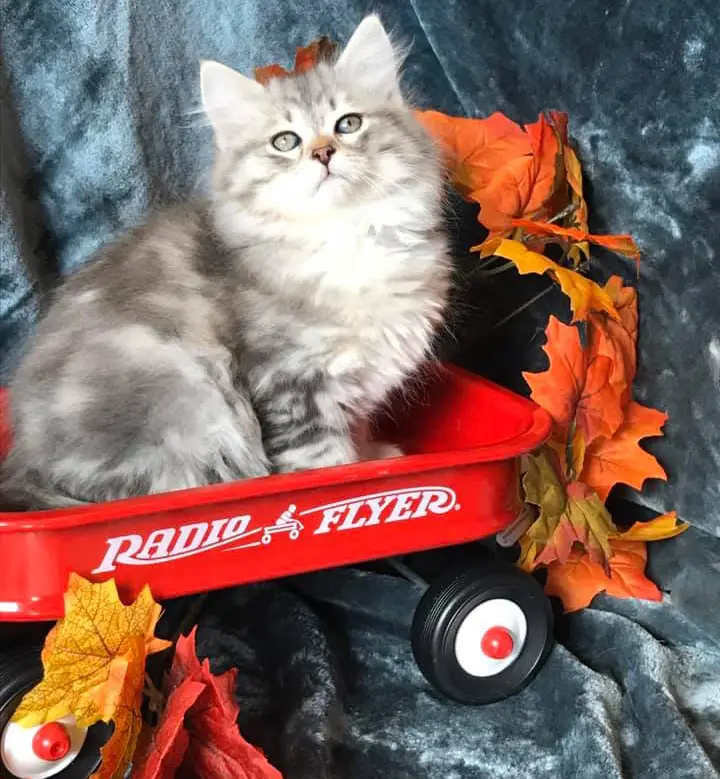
(335, 453)
(380, 450)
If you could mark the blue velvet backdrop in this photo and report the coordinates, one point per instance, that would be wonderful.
(98, 122)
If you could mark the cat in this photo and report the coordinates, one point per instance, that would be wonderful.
(254, 331)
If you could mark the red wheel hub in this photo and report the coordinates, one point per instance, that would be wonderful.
(51, 742)
(497, 643)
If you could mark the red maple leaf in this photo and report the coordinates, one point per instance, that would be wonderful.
(306, 57)
(163, 750)
(198, 734)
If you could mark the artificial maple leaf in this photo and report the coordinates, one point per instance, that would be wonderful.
(574, 177)
(570, 453)
(162, 753)
(571, 169)
(619, 458)
(475, 148)
(662, 527)
(616, 338)
(94, 667)
(547, 154)
(321, 50)
(573, 173)
(569, 515)
(576, 389)
(306, 57)
(583, 293)
(198, 734)
(625, 300)
(622, 244)
(528, 553)
(508, 171)
(580, 579)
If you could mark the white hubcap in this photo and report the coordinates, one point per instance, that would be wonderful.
(497, 616)
(18, 755)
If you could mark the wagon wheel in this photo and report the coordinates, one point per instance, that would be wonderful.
(480, 634)
(57, 749)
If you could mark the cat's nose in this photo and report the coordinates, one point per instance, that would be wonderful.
(323, 153)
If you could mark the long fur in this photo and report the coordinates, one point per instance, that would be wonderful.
(253, 331)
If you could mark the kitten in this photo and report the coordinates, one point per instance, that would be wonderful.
(254, 331)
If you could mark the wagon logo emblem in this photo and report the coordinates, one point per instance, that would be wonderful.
(286, 523)
(175, 543)
(383, 508)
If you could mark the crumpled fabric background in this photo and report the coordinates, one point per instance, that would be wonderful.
(97, 123)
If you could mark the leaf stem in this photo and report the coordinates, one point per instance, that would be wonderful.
(505, 266)
(522, 308)
(569, 209)
(156, 700)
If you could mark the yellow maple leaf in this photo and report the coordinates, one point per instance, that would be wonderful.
(573, 171)
(570, 516)
(583, 293)
(528, 553)
(658, 529)
(94, 667)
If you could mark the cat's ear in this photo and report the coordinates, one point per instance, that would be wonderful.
(230, 99)
(371, 61)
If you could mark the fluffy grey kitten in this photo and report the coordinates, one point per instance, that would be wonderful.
(255, 331)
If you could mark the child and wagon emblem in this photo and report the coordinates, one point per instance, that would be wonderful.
(286, 523)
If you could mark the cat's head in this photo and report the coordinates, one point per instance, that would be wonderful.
(338, 135)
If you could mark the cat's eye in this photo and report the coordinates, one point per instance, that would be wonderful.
(350, 123)
(286, 141)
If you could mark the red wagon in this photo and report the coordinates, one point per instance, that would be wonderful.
(478, 635)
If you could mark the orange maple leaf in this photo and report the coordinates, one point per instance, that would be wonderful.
(94, 667)
(573, 176)
(546, 169)
(624, 299)
(620, 459)
(580, 579)
(622, 244)
(576, 389)
(306, 57)
(475, 148)
(509, 171)
(616, 338)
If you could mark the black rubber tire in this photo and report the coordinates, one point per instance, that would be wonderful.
(19, 671)
(442, 610)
